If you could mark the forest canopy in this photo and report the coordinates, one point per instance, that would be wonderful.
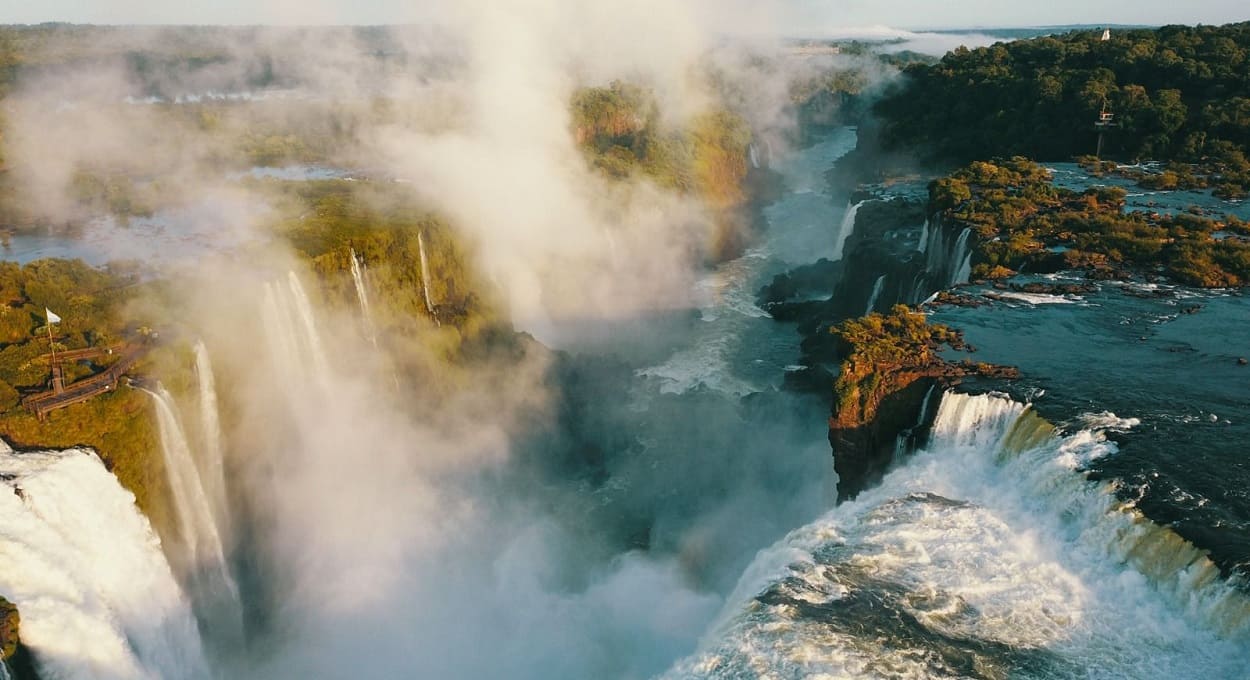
(1177, 93)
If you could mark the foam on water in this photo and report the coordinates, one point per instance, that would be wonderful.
(86, 571)
(799, 220)
(1038, 298)
(725, 304)
(797, 224)
(987, 555)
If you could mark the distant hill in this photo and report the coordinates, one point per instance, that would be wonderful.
(1023, 33)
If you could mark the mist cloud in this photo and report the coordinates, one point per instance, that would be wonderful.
(392, 532)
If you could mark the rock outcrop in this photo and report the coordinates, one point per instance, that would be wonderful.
(10, 622)
(13, 654)
(882, 405)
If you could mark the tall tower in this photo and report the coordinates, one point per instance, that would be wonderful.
(1106, 120)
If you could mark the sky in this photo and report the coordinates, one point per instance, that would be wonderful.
(807, 17)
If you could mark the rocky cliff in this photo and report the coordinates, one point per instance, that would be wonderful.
(13, 654)
(890, 366)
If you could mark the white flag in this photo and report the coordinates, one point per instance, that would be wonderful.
(52, 317)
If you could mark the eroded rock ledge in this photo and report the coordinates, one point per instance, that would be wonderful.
(13, 654)
(891, 378)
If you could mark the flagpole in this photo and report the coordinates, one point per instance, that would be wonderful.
(52, 348)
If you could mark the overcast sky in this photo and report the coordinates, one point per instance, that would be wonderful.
(808, 17)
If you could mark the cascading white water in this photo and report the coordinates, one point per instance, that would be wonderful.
(935, 246)
(876, 293)
(304, 314)
(924, 237)
(197, 526)
(202, 561)
(964, 272)
(924, 406)
(1051, 473)
(425, 278)
(295, 344)
(280, 334)
(362, 294)
(754, 154)
(968, 421)
(991, 545)
(212, 467)
(917, 289)
(961, 259)
(845, 229)
(95, 593)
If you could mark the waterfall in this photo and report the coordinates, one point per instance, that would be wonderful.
(212, 470)
(96, 595)
(917, 288)
(358, 278)
(425, 278)
(845, 229)
(291, 331)
(280, 333)
(1047, 467)
(973, 421)
(986, 545)
(362, 294)
(961, 260)
(964, 272)
(310, 336)
(935, 246)
(924, 407)
(194, 512)
(924, 237)
(754, 154)
(208, 577)
(876, 292)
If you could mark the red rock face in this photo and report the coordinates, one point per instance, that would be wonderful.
(10, 621)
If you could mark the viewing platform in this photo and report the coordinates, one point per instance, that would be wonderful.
(62, 395)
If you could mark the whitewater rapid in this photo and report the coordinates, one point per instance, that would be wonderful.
(986, 555)
(796, 231)
(96, 595)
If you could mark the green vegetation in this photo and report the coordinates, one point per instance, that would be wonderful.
(1022, 220)
(91, 304)
(619, 129)
(114, 193)
(429, 337)
(10, 623)
(882, 354)
(385, 226)
(1178, 94)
